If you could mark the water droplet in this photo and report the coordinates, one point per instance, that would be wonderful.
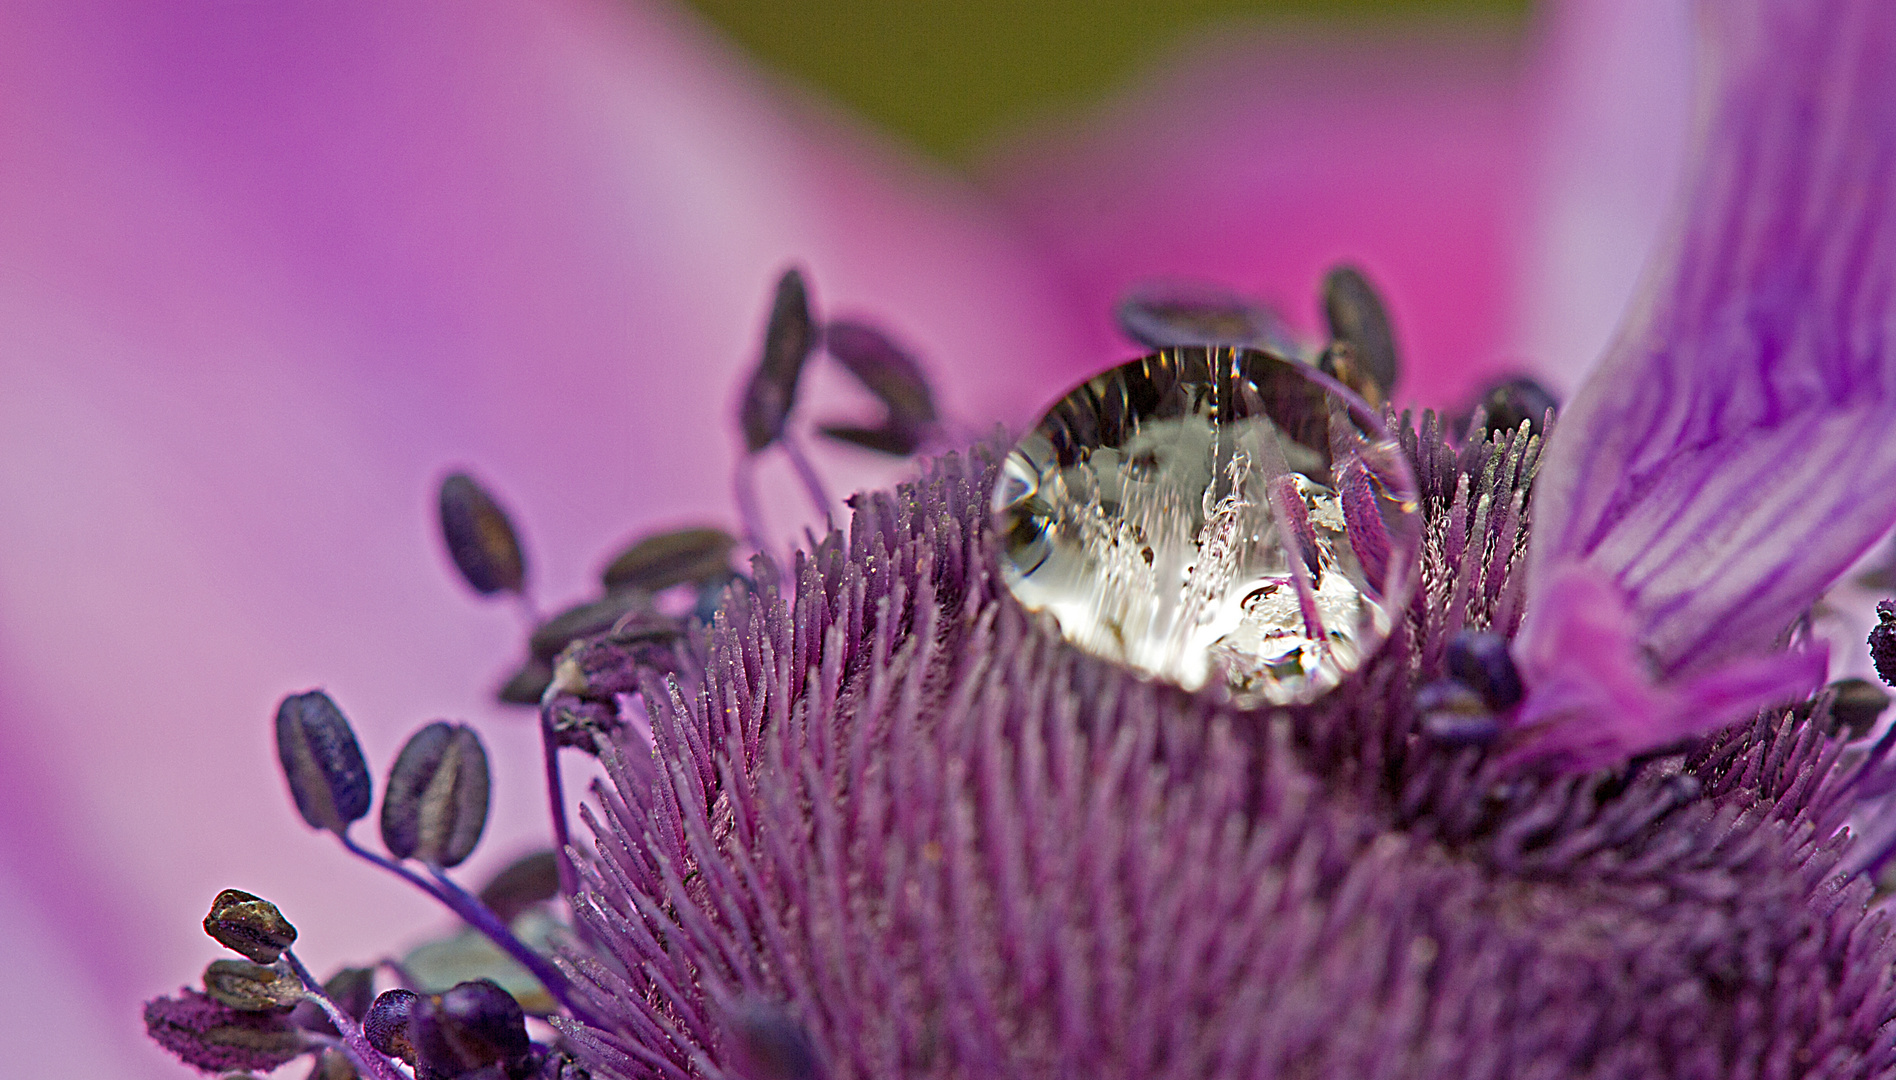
(1213, 514)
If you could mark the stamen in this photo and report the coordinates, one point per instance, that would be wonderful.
(1508, 404)
(480, 537)
(657, 562)
(472, 1026)
(897, 380)
(252, 987)
(249, 925)
(788, 339)
(322, 761)
(1180, 314)
(1480, 661)
(1883, 642)
(435, 806)
(1357, 318)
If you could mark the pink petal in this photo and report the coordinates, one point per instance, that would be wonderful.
(1260, 163)
(269, 270)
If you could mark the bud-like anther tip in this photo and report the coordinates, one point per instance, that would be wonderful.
(249, 925)
(252, 987)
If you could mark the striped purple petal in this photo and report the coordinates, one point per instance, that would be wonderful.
(1728, 459)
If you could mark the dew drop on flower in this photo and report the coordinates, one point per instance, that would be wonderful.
(1213, 514)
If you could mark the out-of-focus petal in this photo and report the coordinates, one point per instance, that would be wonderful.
(1729, 458)
(1612, 118)
(267, 271)
(1260, 163)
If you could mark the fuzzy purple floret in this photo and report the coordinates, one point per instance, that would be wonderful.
(944, 843)
(215, 1038)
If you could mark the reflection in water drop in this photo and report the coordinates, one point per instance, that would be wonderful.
(1207, 514)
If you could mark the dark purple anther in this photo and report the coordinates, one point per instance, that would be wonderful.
(593, 618)
(322, 761)
(436, 803)
(1178, 314)
(1452, 712)
(891, 438)
(614, 663)
(1883, 642)
(480, 537)
(788, 340)
(1855, 706)
(387, 1025)
(662, 560)
(1356, 316)
(528, 880)
(1516, 401)
(528, 683)
(249, 925)
(1341, 361)
(1480, 660)
(766, 1044)
(578, 723)
(885, 369)
(471, 1026)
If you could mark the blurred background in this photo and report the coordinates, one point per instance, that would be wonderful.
(951, 78)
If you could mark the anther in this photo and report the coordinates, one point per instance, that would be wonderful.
(322, 761)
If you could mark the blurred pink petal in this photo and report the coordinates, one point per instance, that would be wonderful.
(1259, 162)
(1612, 117)
(269, 270)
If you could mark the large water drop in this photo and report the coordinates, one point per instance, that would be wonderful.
(1204, 514)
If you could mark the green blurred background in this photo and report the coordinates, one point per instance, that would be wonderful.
(948, 74)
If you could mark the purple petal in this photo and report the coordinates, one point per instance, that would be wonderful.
(1727, 460)
(1593, 699)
